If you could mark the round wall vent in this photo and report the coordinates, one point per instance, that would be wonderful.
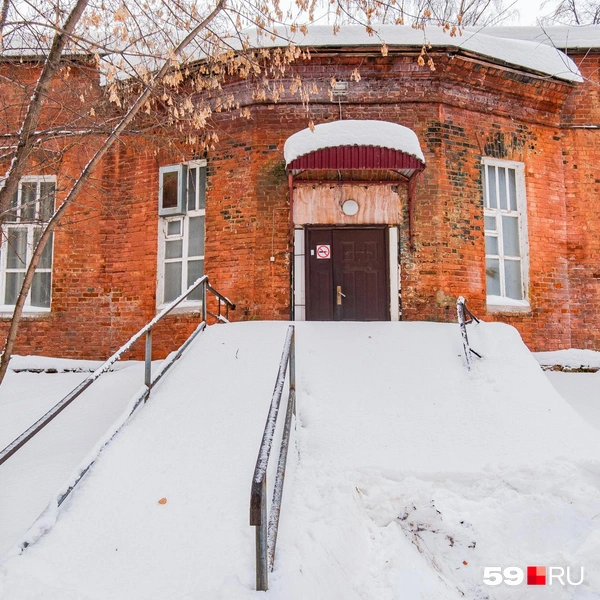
(350, 207)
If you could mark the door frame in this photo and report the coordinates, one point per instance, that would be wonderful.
(300, 268)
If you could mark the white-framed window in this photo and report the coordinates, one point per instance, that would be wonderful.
(172, 190)
(181, 236)
(505, 216)
(31, 207)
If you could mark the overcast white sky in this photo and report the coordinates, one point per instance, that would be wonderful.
(523, 12)
(528, 11)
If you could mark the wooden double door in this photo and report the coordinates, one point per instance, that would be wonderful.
(347, 274)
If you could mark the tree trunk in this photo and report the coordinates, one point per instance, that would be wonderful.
(26, 136)
(3, 15)
(81, 181)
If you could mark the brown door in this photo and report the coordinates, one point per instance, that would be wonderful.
(347, 274)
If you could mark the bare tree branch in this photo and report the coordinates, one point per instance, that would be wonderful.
(78, 185)
(573, 12)
(27, 132)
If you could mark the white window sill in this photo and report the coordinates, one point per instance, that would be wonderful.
(184, 307)
(496, 304)
(6, 312)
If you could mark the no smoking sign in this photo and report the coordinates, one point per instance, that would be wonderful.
(323, 251)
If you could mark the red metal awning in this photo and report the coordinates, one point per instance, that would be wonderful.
(355, 145)
(357, 157)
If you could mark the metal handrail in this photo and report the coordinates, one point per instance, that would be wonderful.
(27, 435)
(226, 301)
(462, 311)
(268, 524)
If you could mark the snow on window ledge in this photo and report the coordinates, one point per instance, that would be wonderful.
(187, 306)
(503, 304)
(6, 311)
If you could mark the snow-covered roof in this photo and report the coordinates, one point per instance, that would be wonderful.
(535, 49)
(520, 53)
(35, 41)
(565, 37)
(353, 133)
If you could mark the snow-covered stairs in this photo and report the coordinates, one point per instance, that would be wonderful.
(398, 451)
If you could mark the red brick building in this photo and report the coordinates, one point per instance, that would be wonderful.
(474, 174)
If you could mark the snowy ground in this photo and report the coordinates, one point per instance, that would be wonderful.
(411, 475)
(580, 389)
(33, 475)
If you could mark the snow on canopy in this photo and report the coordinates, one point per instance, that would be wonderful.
(529, 55)
(353, 133)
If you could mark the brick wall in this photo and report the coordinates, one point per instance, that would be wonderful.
(105, 268)
(581, 157)
(456, 127)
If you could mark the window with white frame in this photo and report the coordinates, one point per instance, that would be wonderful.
(182, 193)
(505, 231)
(31, 207)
